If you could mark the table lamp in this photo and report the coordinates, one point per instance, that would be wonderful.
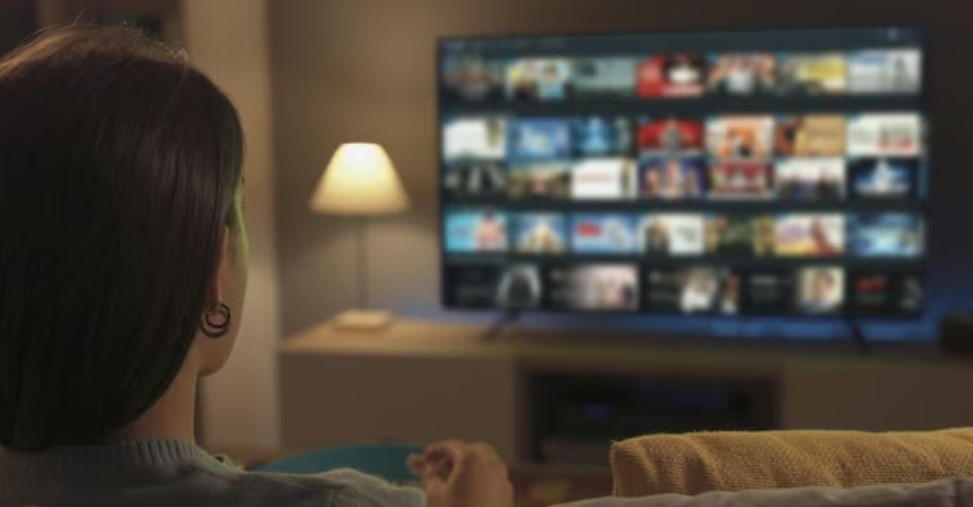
(360, 182)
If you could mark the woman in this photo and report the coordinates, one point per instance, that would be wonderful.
(123, 267)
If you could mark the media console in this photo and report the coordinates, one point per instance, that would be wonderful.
(420, 381)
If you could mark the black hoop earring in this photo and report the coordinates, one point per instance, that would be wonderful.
(215, 321)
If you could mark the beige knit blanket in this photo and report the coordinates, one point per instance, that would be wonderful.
(732, 461)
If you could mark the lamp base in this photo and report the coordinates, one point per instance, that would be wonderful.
(362, 320)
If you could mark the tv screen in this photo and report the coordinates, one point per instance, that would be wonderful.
(722, 173)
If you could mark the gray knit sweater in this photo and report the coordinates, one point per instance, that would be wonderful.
(171, 473)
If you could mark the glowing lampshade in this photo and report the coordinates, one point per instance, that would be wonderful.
(359, 180)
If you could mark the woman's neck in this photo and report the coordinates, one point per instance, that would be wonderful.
(172, 417)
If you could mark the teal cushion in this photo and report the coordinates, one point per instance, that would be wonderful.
(384, 460)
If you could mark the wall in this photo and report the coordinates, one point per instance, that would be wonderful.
(18, 19)
(228, 41)
(364, 69)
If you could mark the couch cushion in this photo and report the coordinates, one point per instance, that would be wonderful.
(955, 492)
(730, 461)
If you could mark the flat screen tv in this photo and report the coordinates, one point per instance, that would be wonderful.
(721, 173)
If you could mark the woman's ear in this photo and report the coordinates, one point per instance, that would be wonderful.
(215, 291)
(212, 351)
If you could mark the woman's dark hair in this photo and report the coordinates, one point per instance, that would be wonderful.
(118, 168)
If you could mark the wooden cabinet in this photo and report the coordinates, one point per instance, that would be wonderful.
(421, 381)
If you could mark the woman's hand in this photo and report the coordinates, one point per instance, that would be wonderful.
(459, 474)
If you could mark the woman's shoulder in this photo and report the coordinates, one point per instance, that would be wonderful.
(338, 488)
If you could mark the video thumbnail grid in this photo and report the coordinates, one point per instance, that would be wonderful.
(694, 289)
(475, 77)
(714, 183)
(801, 157)
(484, 232)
